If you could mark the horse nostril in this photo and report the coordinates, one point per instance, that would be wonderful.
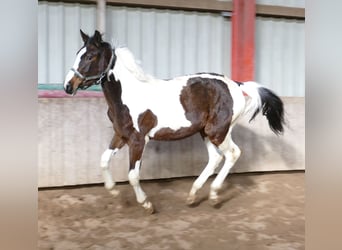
(68, 89)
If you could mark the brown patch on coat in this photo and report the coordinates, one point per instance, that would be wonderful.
(116, 142)
(208, 105)
(168, 134)
(118, 112)
(146, 121)
(122, 121)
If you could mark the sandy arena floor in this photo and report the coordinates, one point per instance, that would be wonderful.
(259, 211)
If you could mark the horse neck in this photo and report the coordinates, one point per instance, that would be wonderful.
(112, 92)
(128, 72)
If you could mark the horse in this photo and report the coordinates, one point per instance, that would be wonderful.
(142, 107)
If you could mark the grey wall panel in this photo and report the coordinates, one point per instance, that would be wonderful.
(59, 39)
(74, 132)
(287, 3)
(56, 43)
(280, 55)
(43, 42)
(171, 43)
(168, 43)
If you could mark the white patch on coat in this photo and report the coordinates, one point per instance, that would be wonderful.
(106, 156)
(215, 157)
(141, 92)
(107, 175)
(134, 178)
(239, 101)
(133, 175)
(254, 100)
(70, 74)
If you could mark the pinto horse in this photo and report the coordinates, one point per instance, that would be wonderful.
(142, 107)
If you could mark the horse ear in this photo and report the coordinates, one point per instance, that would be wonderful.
(84, 36)
(98, 36)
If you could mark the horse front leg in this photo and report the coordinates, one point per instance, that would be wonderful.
(115, 145)
(136, 148)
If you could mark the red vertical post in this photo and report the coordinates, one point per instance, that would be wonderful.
(243, 30)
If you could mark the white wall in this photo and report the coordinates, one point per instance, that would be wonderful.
(280, 55)
(74, 132)
(170, 43)
(287, 3)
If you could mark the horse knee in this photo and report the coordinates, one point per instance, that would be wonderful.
(105, 157)
(233, 153)
(215, 186)
(236, 151)
(133, 177)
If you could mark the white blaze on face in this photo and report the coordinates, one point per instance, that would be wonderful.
(70, 74)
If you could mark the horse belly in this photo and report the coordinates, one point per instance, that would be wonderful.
(168, 134)
(164, 103)
(171, 121)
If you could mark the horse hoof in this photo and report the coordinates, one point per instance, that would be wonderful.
(114, 192)
(150, 210)
(148, 207)
(191, 200)
(215, 202)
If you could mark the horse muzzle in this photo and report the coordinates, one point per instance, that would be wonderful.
(68, 88)
(71, 83)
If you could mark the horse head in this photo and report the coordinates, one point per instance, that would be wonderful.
(93, 61)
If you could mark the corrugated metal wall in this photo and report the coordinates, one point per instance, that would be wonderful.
(171, 43)
(280, 55)
(168, 43)
(58, 37)
(287, 3)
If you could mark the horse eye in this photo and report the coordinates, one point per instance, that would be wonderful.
(88, 58)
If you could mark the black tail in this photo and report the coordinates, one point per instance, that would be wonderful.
(272, 108)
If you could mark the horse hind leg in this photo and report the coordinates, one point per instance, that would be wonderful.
(232, 153)
(215, 157)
